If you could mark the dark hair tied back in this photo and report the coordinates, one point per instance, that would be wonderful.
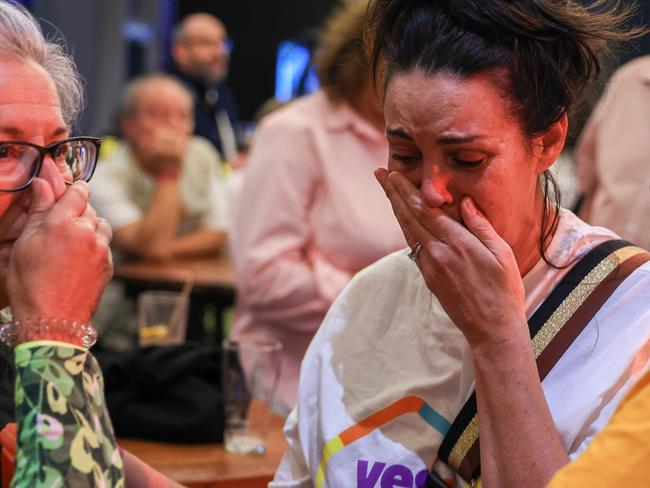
(549, 50)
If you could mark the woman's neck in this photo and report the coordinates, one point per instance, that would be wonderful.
(528, 251)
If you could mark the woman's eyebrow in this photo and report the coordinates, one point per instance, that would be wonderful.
(460, 138)
(9, 130)
(16, 132)
(400, 133)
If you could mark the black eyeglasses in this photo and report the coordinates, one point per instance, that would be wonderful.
(21, 161)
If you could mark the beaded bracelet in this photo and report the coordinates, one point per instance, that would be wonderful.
(16, 332)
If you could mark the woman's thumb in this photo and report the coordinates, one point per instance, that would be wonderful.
(41, 202)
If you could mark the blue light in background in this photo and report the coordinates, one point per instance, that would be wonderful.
(294, 74)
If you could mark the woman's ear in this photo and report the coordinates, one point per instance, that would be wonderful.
(548, 146)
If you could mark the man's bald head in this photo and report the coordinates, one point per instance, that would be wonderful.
(201, 47)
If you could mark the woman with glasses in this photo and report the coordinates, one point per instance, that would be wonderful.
(424, 371)
(54, 264)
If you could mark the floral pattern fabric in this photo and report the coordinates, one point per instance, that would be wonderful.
(65, 436)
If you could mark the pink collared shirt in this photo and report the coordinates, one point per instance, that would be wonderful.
(310, 215)
(613, 156)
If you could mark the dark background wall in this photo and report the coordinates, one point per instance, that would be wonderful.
(642, 46)
(256, 27)
(113, 40)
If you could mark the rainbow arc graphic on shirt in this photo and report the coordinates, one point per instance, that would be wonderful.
(408, 404)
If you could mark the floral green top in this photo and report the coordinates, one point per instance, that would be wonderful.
(65, 436)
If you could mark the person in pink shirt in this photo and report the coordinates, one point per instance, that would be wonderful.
(310, 213)
(613, 156)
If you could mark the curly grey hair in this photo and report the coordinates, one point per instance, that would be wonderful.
(21, 37)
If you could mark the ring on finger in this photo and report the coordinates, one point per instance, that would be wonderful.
(413, 255)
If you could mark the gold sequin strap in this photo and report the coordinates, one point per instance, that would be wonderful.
(553, 327)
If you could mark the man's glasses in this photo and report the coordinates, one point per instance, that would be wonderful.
(21, 161)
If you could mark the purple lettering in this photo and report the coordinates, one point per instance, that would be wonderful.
(365, 479)
(421, 478)
(397, 475)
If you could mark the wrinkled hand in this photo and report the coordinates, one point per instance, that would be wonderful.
(168, 148)
(61, 262)
(469, 268)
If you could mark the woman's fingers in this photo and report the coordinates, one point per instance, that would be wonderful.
(89, 218)
(480, 226)
(401, 209)
(72, 204)
(436, 222)
(440, 235)
(104, 230)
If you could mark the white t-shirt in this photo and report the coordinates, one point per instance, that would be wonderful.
(388, 355)
(121, 191)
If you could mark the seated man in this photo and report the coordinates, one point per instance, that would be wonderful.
(201, 54)
(160, 189)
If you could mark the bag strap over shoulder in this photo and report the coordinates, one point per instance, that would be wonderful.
(553, 327)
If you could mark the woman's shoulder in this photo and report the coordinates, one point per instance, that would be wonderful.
(391, 271)
(574, 237)
(392, 283)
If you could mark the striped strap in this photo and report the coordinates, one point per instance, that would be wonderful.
(553, 327)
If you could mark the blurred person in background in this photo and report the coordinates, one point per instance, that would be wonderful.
(310, 214)
(201, 53)
(54, 264)
(160, 189)
(613, 156)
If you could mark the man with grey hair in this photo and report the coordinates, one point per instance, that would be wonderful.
(201, 53)
(160, 189)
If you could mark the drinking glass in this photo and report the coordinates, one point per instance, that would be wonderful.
(251, 371)
(162, 318)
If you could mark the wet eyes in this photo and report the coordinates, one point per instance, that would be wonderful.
(464, 163)
(405, 159)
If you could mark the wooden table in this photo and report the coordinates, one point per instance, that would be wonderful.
(211, 274)
(214, 285)
(210, 465)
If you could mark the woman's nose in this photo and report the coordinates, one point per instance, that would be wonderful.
(55, 175)
(434, 187)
